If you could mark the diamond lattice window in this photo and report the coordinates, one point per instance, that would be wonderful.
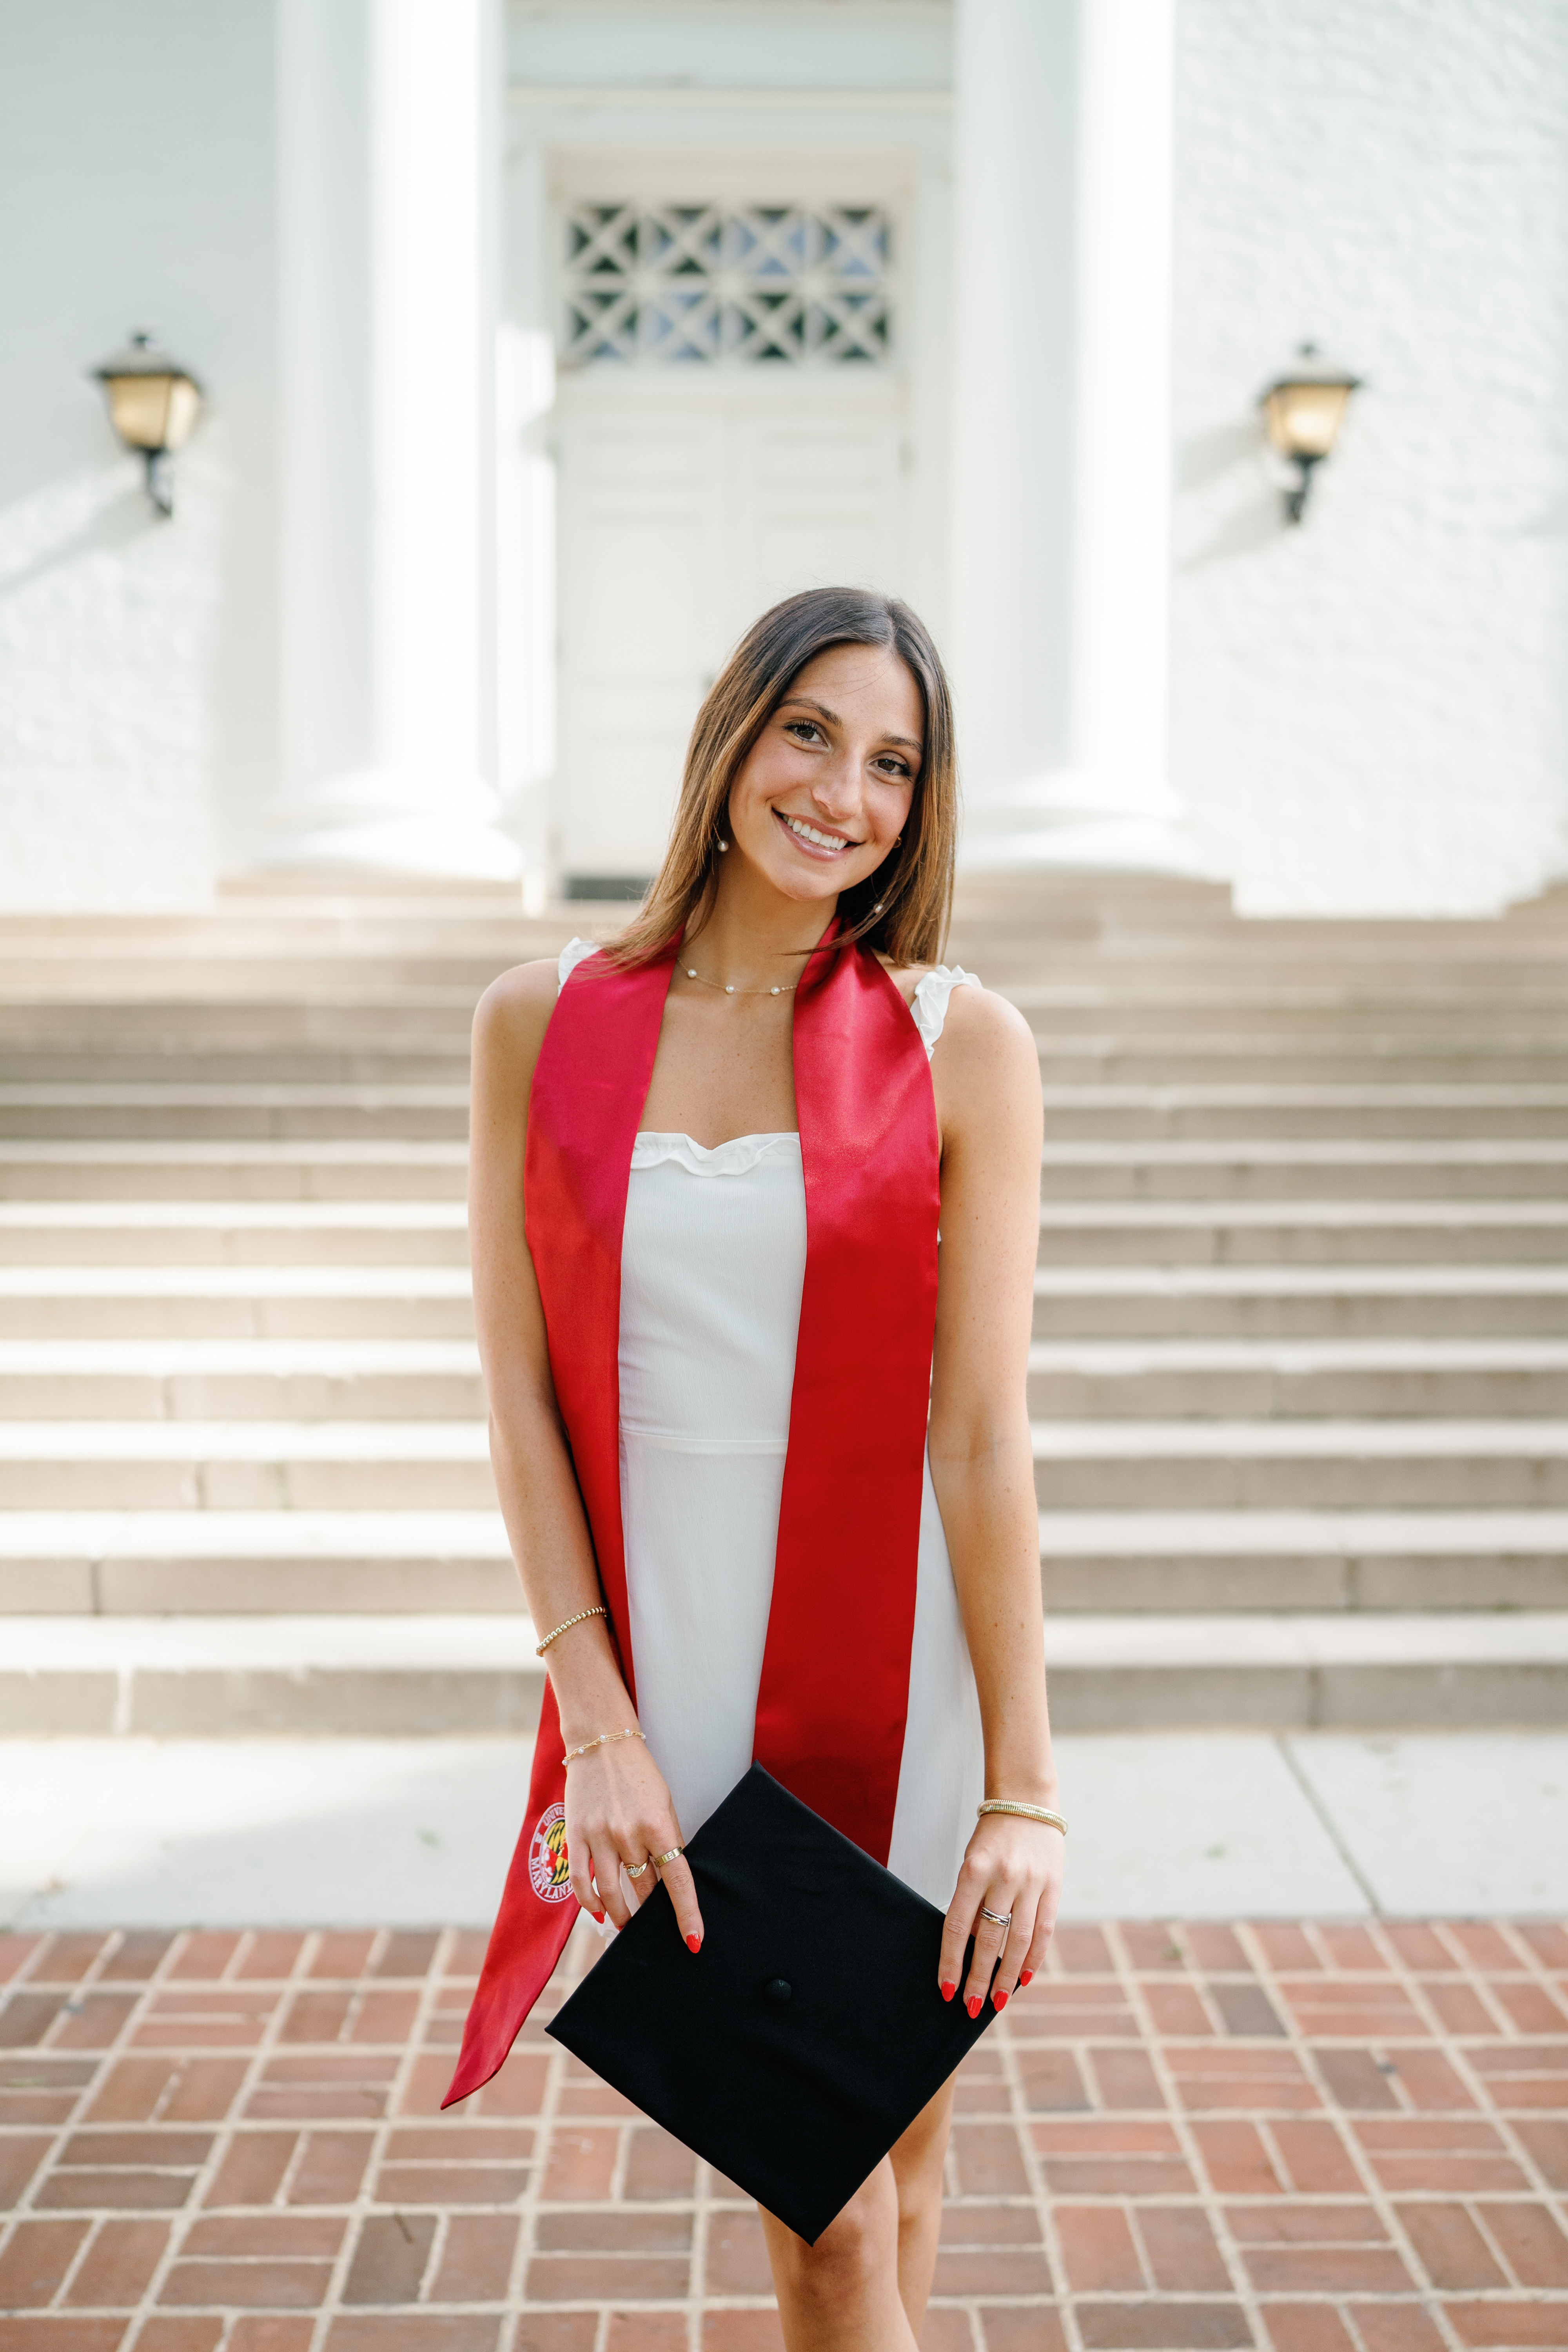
(785, 284)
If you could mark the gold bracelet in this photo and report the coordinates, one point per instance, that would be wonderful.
(605, 1740)
(566, 1623)
(1029, 1812)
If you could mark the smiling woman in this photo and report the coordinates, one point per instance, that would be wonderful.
(762, 1451)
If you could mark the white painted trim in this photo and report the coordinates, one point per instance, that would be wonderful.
(669, 171)
(645, 99)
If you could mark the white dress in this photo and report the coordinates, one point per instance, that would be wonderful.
(712, 1261)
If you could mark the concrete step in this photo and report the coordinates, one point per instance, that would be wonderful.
(1116, 1562)
(1176, 1006)
(222, 1677)
(1069, 1380)
(1340, 1234)
(1292, 1380)
(236, 1465)
(240, 1380)
(1159, 1467)
(288, 905)
(319, 1170)
(1074, 1233)
(1244, 1114)
(1135, 1467)
(1496, 1115)
(95, 1062)
(263, 1302)
(1287, 1302)
(1344, 1670)
(246, 1113)
(411, 1302)
(1339, 1169)
(220, 1561)
(339, 1028)
(224, 1562)
(202, 1677)
(108, 1234)
(1193, 1062)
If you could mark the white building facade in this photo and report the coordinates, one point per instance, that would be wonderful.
(543, 347)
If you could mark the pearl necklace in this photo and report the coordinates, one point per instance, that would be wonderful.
(728, 988)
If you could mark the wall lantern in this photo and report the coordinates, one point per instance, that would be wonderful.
(1302, 412)
(152, 405)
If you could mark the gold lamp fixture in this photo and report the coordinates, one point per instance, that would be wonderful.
(1302, 413)
(153, 403)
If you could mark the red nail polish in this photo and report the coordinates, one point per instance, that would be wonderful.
(1026, 1975)
(999, 1999)
(599, 1917)
(947, 1989)
(972, 2004)
(694, 1942)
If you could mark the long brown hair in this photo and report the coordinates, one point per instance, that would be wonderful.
(914, 884)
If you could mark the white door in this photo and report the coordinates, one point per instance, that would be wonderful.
(682, 519)
(732, 432)
(641, 556)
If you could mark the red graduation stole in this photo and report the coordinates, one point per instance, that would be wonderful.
(836, 1667)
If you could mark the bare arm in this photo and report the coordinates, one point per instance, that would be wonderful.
(987, 1079)
(618, 1806)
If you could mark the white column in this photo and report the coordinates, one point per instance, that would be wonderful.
(1063, 137)
(388, 327)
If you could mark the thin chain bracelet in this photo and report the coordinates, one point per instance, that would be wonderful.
(566, 1625)
(1028, 1812)
(605, 1740)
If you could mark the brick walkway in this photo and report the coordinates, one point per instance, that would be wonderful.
(1308, 2139)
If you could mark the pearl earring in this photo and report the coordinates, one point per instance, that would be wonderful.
(723, 845)
(878, 907)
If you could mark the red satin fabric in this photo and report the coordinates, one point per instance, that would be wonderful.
(834, 1686)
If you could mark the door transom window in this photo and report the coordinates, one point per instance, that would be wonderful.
(780, 285)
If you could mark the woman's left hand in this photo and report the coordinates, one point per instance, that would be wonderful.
(1012, 1866)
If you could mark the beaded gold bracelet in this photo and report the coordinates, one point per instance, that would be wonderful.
(1029, 1812)
(566, 1625)
(605, 1740)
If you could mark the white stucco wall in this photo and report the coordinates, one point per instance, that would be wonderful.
(136, 656)
(1373, 712)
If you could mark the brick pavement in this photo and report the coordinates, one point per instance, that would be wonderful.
(1308, 2139)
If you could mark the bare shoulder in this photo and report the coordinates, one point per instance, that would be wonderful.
(987, 1041)
(986, 1073)
(511, 1017)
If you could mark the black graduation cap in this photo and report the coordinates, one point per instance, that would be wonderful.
(809, 2031)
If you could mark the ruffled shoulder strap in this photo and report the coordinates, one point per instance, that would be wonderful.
(931, 1000)
(574, 952)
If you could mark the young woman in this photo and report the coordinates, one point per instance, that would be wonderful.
(729, 1489)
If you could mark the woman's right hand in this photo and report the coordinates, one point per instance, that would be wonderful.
(618, 1814)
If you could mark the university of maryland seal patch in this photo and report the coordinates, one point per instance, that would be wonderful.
(548, 1869)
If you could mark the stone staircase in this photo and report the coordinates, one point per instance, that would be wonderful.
(1299, 1379)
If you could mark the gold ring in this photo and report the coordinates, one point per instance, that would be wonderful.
(637, 1872)
(658, 1860)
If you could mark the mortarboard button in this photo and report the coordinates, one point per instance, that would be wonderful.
(778, 1991)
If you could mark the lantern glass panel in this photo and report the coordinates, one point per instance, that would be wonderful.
(139, 406)
(185, 400)
(1303, 418)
